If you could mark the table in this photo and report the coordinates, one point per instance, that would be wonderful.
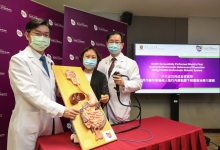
(155, 133)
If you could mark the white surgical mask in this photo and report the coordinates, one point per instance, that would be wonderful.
(40, 43)
(114, 48)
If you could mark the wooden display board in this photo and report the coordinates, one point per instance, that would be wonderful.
(66, 87)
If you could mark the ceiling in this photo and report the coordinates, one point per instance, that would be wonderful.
(154, 8)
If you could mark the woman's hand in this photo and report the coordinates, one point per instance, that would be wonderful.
(104, 98)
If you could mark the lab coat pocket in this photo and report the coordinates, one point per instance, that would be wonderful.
(30, 122)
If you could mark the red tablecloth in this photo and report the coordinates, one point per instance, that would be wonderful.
(155, 133)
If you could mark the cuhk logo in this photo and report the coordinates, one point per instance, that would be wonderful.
(141, 47)
(50, 22)
(19, 33)
(199, 48)
(92, 43)
(95, 27)
(73, 22)
(69, 39)
(24, 14)
(71, 57)
(49, 56)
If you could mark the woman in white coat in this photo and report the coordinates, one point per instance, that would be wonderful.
(34, 91)
(114, 110)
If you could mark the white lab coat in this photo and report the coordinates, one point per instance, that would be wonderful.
(126, 66)
(35, 97)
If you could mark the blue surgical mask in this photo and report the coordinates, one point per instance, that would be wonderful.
(89, 63)
(114, 48)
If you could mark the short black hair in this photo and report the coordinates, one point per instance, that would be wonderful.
(113, 33)
(34, 23)
(88, 48)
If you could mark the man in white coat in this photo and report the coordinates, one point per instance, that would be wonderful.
(114, 110)
(34, 91)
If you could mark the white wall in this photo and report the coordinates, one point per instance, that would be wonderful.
(113, 16)
(203, 30)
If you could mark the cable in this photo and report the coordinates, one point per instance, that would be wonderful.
(146, 140)
(216, 145)
(208, 141)
(139, 107)
(74, 143)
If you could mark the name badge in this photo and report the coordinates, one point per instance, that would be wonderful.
(120, 67)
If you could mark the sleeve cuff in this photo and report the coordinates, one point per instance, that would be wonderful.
(61, 112)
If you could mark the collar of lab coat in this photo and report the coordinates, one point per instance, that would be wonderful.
(119, 57)
(34, 58)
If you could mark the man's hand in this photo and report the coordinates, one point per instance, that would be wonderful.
(70, 113)
(118, 80)
(104, 98)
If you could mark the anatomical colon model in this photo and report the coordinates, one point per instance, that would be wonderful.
(91, 114)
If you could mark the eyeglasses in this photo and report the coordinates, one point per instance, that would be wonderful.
(36, 33)
(116, 42)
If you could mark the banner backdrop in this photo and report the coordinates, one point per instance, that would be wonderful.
(82, 29)
(14, 14)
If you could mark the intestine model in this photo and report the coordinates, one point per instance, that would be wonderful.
(91, 115)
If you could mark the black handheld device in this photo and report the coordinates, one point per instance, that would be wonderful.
(116, 73)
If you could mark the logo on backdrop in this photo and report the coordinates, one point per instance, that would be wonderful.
(19, 33)
(2, 7)
(73, 22)
(69, 39)
(71, 57)
(58, 25)
(199, 48)
(100, 44)
(2, 73)
(4, 52)
(55, 41)
(57, 58)
(3, 94)
(49, 56)
(3, 30)
(93, 43)
(54, 57)
(79, 41)
(100, 28)
(25, 15)
(95, 27)
(51, 22)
